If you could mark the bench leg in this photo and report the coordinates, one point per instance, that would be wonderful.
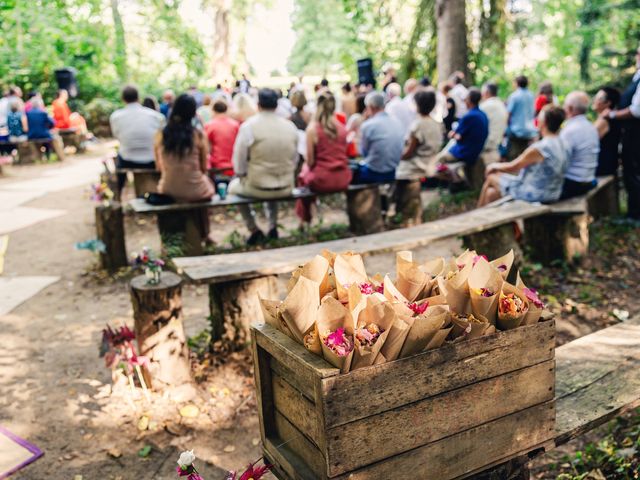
(557, 237)
(110, 230)
(28, 153)
(235, 305)
(183, 230)
(409, 202)
(365, 211)
(605, 202)
(494, 242)
(144, 182)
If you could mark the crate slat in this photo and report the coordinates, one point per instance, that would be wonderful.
(296, 408)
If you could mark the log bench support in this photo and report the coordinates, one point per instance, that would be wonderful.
(145, 181)
(29, 152)
(157, 312)
(235, 305)
(558, 236)
(494, 242)
(110, 230)
(409, 202)
(183, 229)
(72, 138)
(364, 210)
(604, 201)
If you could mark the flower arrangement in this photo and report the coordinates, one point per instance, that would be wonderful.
(352, 320)
(151, 264)
(119, 353)
(101, 193)
(186, 468)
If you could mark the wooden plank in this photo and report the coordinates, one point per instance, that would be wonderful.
(459, 454)
(430, 373)
(235, 266)
(286, 464)
(375, 438)
(264, 393)
(580, 204)
(296, 408)
(598, 378)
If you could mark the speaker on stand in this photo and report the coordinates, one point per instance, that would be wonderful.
(365, 72)
(66, 79)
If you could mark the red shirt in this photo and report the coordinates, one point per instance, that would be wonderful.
(221, 132)
(61, 113)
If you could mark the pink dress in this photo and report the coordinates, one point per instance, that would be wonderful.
(330, 172)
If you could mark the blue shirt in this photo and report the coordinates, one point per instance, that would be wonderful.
(473, 129)
(582, 142)
(522, 114)
(382, 143)
(39, 124)
(14, 124)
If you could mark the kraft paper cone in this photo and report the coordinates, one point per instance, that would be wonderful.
(438, 339)
(434, 267)
(380, 359)
(423, 329)
(509, 322)
(269, 311)
(391, 292)
(312, 341)
(411, 282)
(436, 300)
(504, 264)
(483, 275)
(466, 257)
(318, 271)
(534, 313)
(332, 315)
(295, 275)
(300, 308)
(456, 290)
(348, 269)
(330, 256)
(381, 314)
(469, 327)
(397, 336)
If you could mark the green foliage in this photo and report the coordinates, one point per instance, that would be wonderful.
(97, 113)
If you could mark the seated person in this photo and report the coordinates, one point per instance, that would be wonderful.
(61, 111)
(423, 142)
(326, 167)
(610, 132)
(17, 123)
(541, 166)
(135, 127)
(181, 154)
(221, 132)
(39, 125)
(582, 141)
(264, 157)
(382, 139)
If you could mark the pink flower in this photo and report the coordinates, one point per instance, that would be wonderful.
(418, 308)
(477, 258)
(367, 288)
(251, 473)
(339, 343)
(502, 267)
(533, 297)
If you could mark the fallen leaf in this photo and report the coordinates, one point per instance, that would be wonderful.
(229, 449)
(189, 411)
(144, 451)
(114, 452)
(143, 423)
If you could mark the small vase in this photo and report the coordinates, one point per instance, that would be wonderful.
(153, 275)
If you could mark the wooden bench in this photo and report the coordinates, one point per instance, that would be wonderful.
(144, 179)
(31, 151)
(235, 279)
(182, 221)
(72, 137)
(563, 233)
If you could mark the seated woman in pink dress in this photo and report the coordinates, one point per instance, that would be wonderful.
(181, 153)
(326, 167)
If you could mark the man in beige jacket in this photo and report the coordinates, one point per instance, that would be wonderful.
(264, 158)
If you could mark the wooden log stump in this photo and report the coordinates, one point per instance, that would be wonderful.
(409, 201)
(475, 174)
(495, 242)
(110, 230)
(235, 305)
(144, 182)
(605, 202)
(364, 210)
(157, 312)
(28, 152)
(557, 237)
(183, 230)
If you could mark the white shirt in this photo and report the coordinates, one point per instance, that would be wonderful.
(498, 116)
(459, 94)
(402, 112)
(135, 127)
(582, 142)
(4, 111)
(634, 108)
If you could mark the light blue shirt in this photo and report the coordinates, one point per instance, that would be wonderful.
(582, 142)
(520, 107)
(382, 142)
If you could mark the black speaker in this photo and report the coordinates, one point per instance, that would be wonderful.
(66, 78)
(365, 72)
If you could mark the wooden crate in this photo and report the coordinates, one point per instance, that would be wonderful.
(441, 414)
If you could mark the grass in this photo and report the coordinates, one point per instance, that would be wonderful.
(450, 204)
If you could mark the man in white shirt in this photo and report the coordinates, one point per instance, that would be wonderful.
(459, 93)
(496, 112)
(397, 108)
(135, 127)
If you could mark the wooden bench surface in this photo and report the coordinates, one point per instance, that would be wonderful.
(139, 205)
(246, 265)
(597, 379)
(579, 204)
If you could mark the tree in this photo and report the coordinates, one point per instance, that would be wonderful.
(452, 37)
(424, 25)
(120, 57)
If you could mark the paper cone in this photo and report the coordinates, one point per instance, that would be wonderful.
(423, 329)
(348, 269)
(535, 312)
(332, 315)
(318, 271)
(381, 314)
(269, 311)
(465, 258)
(312, 341)
(504, 264)
(483, 275)
(380, 359)
(456, 290)
(434, 267)
(469, 327)
(300, 308)
(391, 292)
(397, 336)
(410, 280)
(506, 321)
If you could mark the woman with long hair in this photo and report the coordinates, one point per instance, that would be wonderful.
(326, 167)
(181, 153)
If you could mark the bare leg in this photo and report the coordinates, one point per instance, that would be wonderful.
(490, 190)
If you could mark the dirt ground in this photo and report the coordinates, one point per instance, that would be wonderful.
(56, 391)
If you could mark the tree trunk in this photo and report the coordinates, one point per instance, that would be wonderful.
(110, 230)
(452, 37)
(120, 54)
(157, 312)
(424, 11)
(221, 60)
(364, 209)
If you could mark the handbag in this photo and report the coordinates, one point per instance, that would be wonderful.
(158, 198)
